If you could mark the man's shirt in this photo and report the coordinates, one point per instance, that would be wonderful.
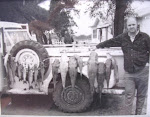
(136, 53)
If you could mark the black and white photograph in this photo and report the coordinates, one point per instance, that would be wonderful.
(75, 58)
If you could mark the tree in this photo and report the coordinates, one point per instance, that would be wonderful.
(59, 17)
(22, 11)
(121, 6)
(58, 20)
(40, 20)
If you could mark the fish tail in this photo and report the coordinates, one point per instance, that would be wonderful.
(54, 82)
(107, 83)
(91, 86)
(64, 82)
(72, 83)
(81, 74)
(100, 93)
(30, 87)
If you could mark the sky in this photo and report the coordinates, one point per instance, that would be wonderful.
(84, 21)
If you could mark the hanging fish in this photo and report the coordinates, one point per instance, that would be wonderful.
(7, 61)
(30, 78)
(20, 71)
(100, 78)
(80, 63)
(108, 64)
(13, 66)
(24, 74)
(36, 72)
(55, 67)
(63, 68)
(73, 70)
(92, 69)
(9, 72)
(115, 67)
(42, 70)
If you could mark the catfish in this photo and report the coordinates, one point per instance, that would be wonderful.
(9, 71)
(73, 70)
(35, 75)
(63, 68)
(24, 74)
(20, 71)
(108, 64)
(115, 67)
(55, 67)
(42, 70)
(13, 67)
(100, 78)
(79, 63)
(92, 66)
(30, 78)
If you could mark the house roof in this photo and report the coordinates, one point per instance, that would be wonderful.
(143, 12)
(95, 23)
(104, 25)
(100, 24)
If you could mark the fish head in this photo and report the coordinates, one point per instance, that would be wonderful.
(72, 62)
(41, 64)
(108, 55)
(101, 67)
(76, 56)
(93, 56)
(35, 66)
(108, 63)
(56, 63)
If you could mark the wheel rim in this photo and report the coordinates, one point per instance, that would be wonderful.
(72, 96)
(27, 57)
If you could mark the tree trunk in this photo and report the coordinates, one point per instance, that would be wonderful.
(121, 6)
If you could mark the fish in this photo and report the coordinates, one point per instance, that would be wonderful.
(79, 63)
(30, 78)
(7, 61)
(115, 67)
(64, 68)
(55, 67)
(20, 71)
(100, 78)
(9, 72)
(108, 64)
(13, 66)
(24, 74)
(92, 66)
(35, 75)
(42, 70)
(73, 70)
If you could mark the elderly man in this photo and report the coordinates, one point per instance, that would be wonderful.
(136, 47)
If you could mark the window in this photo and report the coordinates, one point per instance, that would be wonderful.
(17, 36)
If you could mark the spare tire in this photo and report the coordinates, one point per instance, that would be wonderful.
(73, 100)
(30, 52)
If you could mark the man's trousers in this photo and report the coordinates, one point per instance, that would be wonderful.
(136, 81)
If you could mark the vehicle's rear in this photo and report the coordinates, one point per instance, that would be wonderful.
(84, 50)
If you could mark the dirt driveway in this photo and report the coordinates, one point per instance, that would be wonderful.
(44, 105)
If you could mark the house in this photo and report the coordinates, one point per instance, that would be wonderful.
(101, 31)
(144, 19)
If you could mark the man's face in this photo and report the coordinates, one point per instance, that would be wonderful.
(132, 25)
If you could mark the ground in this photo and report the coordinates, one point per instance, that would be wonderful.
(43, 105)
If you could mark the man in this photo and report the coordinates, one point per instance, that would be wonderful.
(136, 47)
